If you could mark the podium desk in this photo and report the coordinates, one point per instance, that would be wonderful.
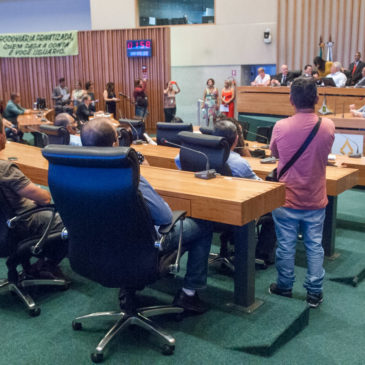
(233, 201)
(32, 121)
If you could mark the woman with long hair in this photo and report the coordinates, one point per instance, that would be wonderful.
(110, 99)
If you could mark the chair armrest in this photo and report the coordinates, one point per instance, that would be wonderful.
(176, 215)
(37, 248)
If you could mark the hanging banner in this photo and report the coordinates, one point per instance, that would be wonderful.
(49, 44)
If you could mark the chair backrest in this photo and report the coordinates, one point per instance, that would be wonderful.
(207, 130)
(6, 212)
(215, 148)
(138, 127)
(124, 137)
(170, 131)
(56, 134)
(40, 139)
(110, 231)
(263, 134)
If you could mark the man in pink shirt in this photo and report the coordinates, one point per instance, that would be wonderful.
(306, 196)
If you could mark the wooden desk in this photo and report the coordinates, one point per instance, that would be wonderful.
(29, 122)
(238, 203)
(275, 100)
(338, 180)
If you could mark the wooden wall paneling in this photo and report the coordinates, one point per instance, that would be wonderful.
(102, 58)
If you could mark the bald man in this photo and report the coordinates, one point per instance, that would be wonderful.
(284, 78)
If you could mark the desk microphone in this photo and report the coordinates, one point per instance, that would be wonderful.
(207, 174)
(265, 147)
(137, 140)
(149, 139)
(357, 154)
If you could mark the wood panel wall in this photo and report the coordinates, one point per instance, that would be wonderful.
(301, 23)
(102, 58)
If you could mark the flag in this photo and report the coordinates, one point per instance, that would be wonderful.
(330, 49)
(321, 47)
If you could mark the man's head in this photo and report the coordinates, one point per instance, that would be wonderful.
(62, 82)
(67, 121)
(303, 93)
(99, 132)
(284, 69)
(308, 69)
(357, 56)
(86, 99)
(15, 98)
(2, 135)
(228, 130)
(336, 66)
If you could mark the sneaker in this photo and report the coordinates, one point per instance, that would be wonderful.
(314, 299)
(190, 303)
(274, 289)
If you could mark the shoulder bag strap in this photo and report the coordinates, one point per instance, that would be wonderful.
(301, 149)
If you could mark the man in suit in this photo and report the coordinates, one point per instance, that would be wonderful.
(284, 78)
(361, 82)
(355, 69)
(307, 72)
(84, 111)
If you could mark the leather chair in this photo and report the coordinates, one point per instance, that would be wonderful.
(206, 130)
(137, 126)
(263, 134)
(56, 134)
(170, 131)
(124, 137)
(112, 239)
(19, 253)
(216, 149)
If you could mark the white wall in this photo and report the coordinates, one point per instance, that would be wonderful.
(235, 39)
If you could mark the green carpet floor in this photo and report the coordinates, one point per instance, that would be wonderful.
(335, 333)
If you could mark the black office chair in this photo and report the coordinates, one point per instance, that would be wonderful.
(40, 139)
(170, 131)
(112, 239)
(19, 253)
(137, 126)
(125, 138)
(206, 130)
(263, 134)
(56, 134)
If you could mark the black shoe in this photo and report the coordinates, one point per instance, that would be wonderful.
(273, 289)
(190, 303)
(127, 300)
(314, 299)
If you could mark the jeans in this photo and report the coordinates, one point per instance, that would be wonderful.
(197, 238)
(140, 111)
(287, 222)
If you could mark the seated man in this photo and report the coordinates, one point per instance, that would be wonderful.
(67, 121)
(11, 112)
(197, 234)
(284, 78)
(21, 195)
(84, 111)
(307, 71)
(337, 75)
(261, 79)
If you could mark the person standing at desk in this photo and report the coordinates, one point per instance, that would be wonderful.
(361, 82)
(355, 69)
(12, 111)
(140, 97)
(227, 98)
(306, 196)
(89, 88)
(110, 99)
(210, 101)
(197, 234)
(61, 96)
(323, 67)
(169, 101)
(77, 94)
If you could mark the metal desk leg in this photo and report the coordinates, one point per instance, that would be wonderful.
(244, 262)
(329, 228)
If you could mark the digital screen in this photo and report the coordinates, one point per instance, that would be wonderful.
(139, 48)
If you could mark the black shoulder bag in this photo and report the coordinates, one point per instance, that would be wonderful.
(273, 176)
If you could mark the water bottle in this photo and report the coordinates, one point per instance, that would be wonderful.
(35, 106)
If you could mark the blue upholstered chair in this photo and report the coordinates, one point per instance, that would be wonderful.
(112, 239)
(170, 131)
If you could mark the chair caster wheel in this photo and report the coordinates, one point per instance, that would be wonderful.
(168, 350)
(97, 357)
(35, 312)
(77, 326)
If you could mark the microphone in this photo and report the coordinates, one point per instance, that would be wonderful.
(353, 155)
(149, 139)
(137, 140)
(207, 174)
(124, 95)
(265, 147)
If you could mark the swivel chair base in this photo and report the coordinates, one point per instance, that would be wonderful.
(123, 320)
(18, 289)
